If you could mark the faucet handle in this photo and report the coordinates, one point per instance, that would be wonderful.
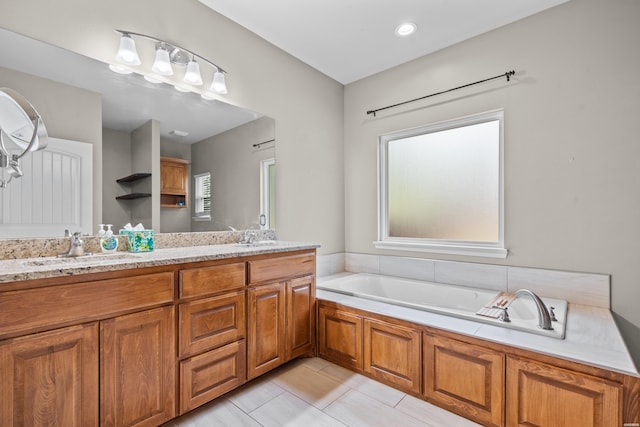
(504, 314)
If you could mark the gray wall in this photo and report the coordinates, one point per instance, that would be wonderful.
(306, 105)
(571, 141)
(234, 165)
(116, 157)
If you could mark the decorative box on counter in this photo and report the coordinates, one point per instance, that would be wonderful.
(138, 240)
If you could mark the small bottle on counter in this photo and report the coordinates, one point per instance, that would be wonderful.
(108, 242)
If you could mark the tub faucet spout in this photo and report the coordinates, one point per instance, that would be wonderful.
(544, 318)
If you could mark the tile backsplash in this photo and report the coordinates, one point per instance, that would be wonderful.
(578, 288)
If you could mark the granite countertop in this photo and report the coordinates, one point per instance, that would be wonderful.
(592, 337)
(45, 267)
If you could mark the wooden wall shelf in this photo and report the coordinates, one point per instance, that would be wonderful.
(133, 196)
(133, 177)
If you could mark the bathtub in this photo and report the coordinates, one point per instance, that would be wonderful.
(450, 300)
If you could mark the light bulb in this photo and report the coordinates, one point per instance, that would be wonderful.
(162, 64)
(218, 84)
(192, 76)
(127, 53)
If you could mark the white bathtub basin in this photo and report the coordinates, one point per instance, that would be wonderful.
(457, 301)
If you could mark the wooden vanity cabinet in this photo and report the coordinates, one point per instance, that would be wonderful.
(281, 310)
(105, 356)
(464, 378)
(539, 394)
(50, 378)
(138, 369)
(212, 329)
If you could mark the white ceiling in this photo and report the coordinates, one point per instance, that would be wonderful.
(352, 39)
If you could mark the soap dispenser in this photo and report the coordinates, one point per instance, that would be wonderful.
(108, 242)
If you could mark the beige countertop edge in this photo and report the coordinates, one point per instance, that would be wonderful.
(20, 269)
(592, 337)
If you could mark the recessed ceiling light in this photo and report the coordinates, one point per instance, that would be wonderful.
(406, 29)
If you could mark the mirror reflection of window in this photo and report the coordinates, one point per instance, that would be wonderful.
(268, 193)
(202, 197)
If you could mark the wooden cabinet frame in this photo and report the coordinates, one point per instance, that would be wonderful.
(500, 385)
(131, 348)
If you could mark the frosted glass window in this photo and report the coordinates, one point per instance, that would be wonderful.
(441, 187)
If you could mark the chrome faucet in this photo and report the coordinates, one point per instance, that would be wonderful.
(544, 318)
(248, 237)
(75, 245)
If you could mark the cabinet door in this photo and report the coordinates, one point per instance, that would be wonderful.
(544, 395)
(300, 316)
(137, 369)
(211, 322)
(266, 328)
(340, 337)
(50, 379)
(173, 177)
(464, 378)
(209, 375)
(392, 354)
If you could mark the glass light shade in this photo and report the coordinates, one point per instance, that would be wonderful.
(162, 65)
(152, 79)
(180, 88)
(127, 53)
(218, 85)
(192, 76)
(119, 69)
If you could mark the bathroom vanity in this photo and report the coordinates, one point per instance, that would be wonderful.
(138, 339)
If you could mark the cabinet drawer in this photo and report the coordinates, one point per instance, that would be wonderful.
(48, 307)
(265, 270)
(211, 280)
(211, 322)
(209, 375)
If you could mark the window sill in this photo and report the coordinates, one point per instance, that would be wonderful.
(441, 248)
(201, 218)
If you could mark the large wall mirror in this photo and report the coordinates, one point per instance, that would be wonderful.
(139, 122)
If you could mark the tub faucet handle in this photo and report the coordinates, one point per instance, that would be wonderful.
(504, 314)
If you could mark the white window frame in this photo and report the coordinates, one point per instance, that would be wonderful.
(199, 213)
(265, 190)
(441, 246)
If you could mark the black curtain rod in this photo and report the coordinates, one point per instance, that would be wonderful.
(261, 143)
(508, 75)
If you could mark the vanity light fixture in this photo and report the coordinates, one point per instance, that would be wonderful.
(162, 63)
(166, 56)
(21, 131)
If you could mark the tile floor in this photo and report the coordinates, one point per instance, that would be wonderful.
(315, 392)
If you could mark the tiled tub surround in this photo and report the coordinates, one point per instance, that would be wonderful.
(48, 247)
(592, 337)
